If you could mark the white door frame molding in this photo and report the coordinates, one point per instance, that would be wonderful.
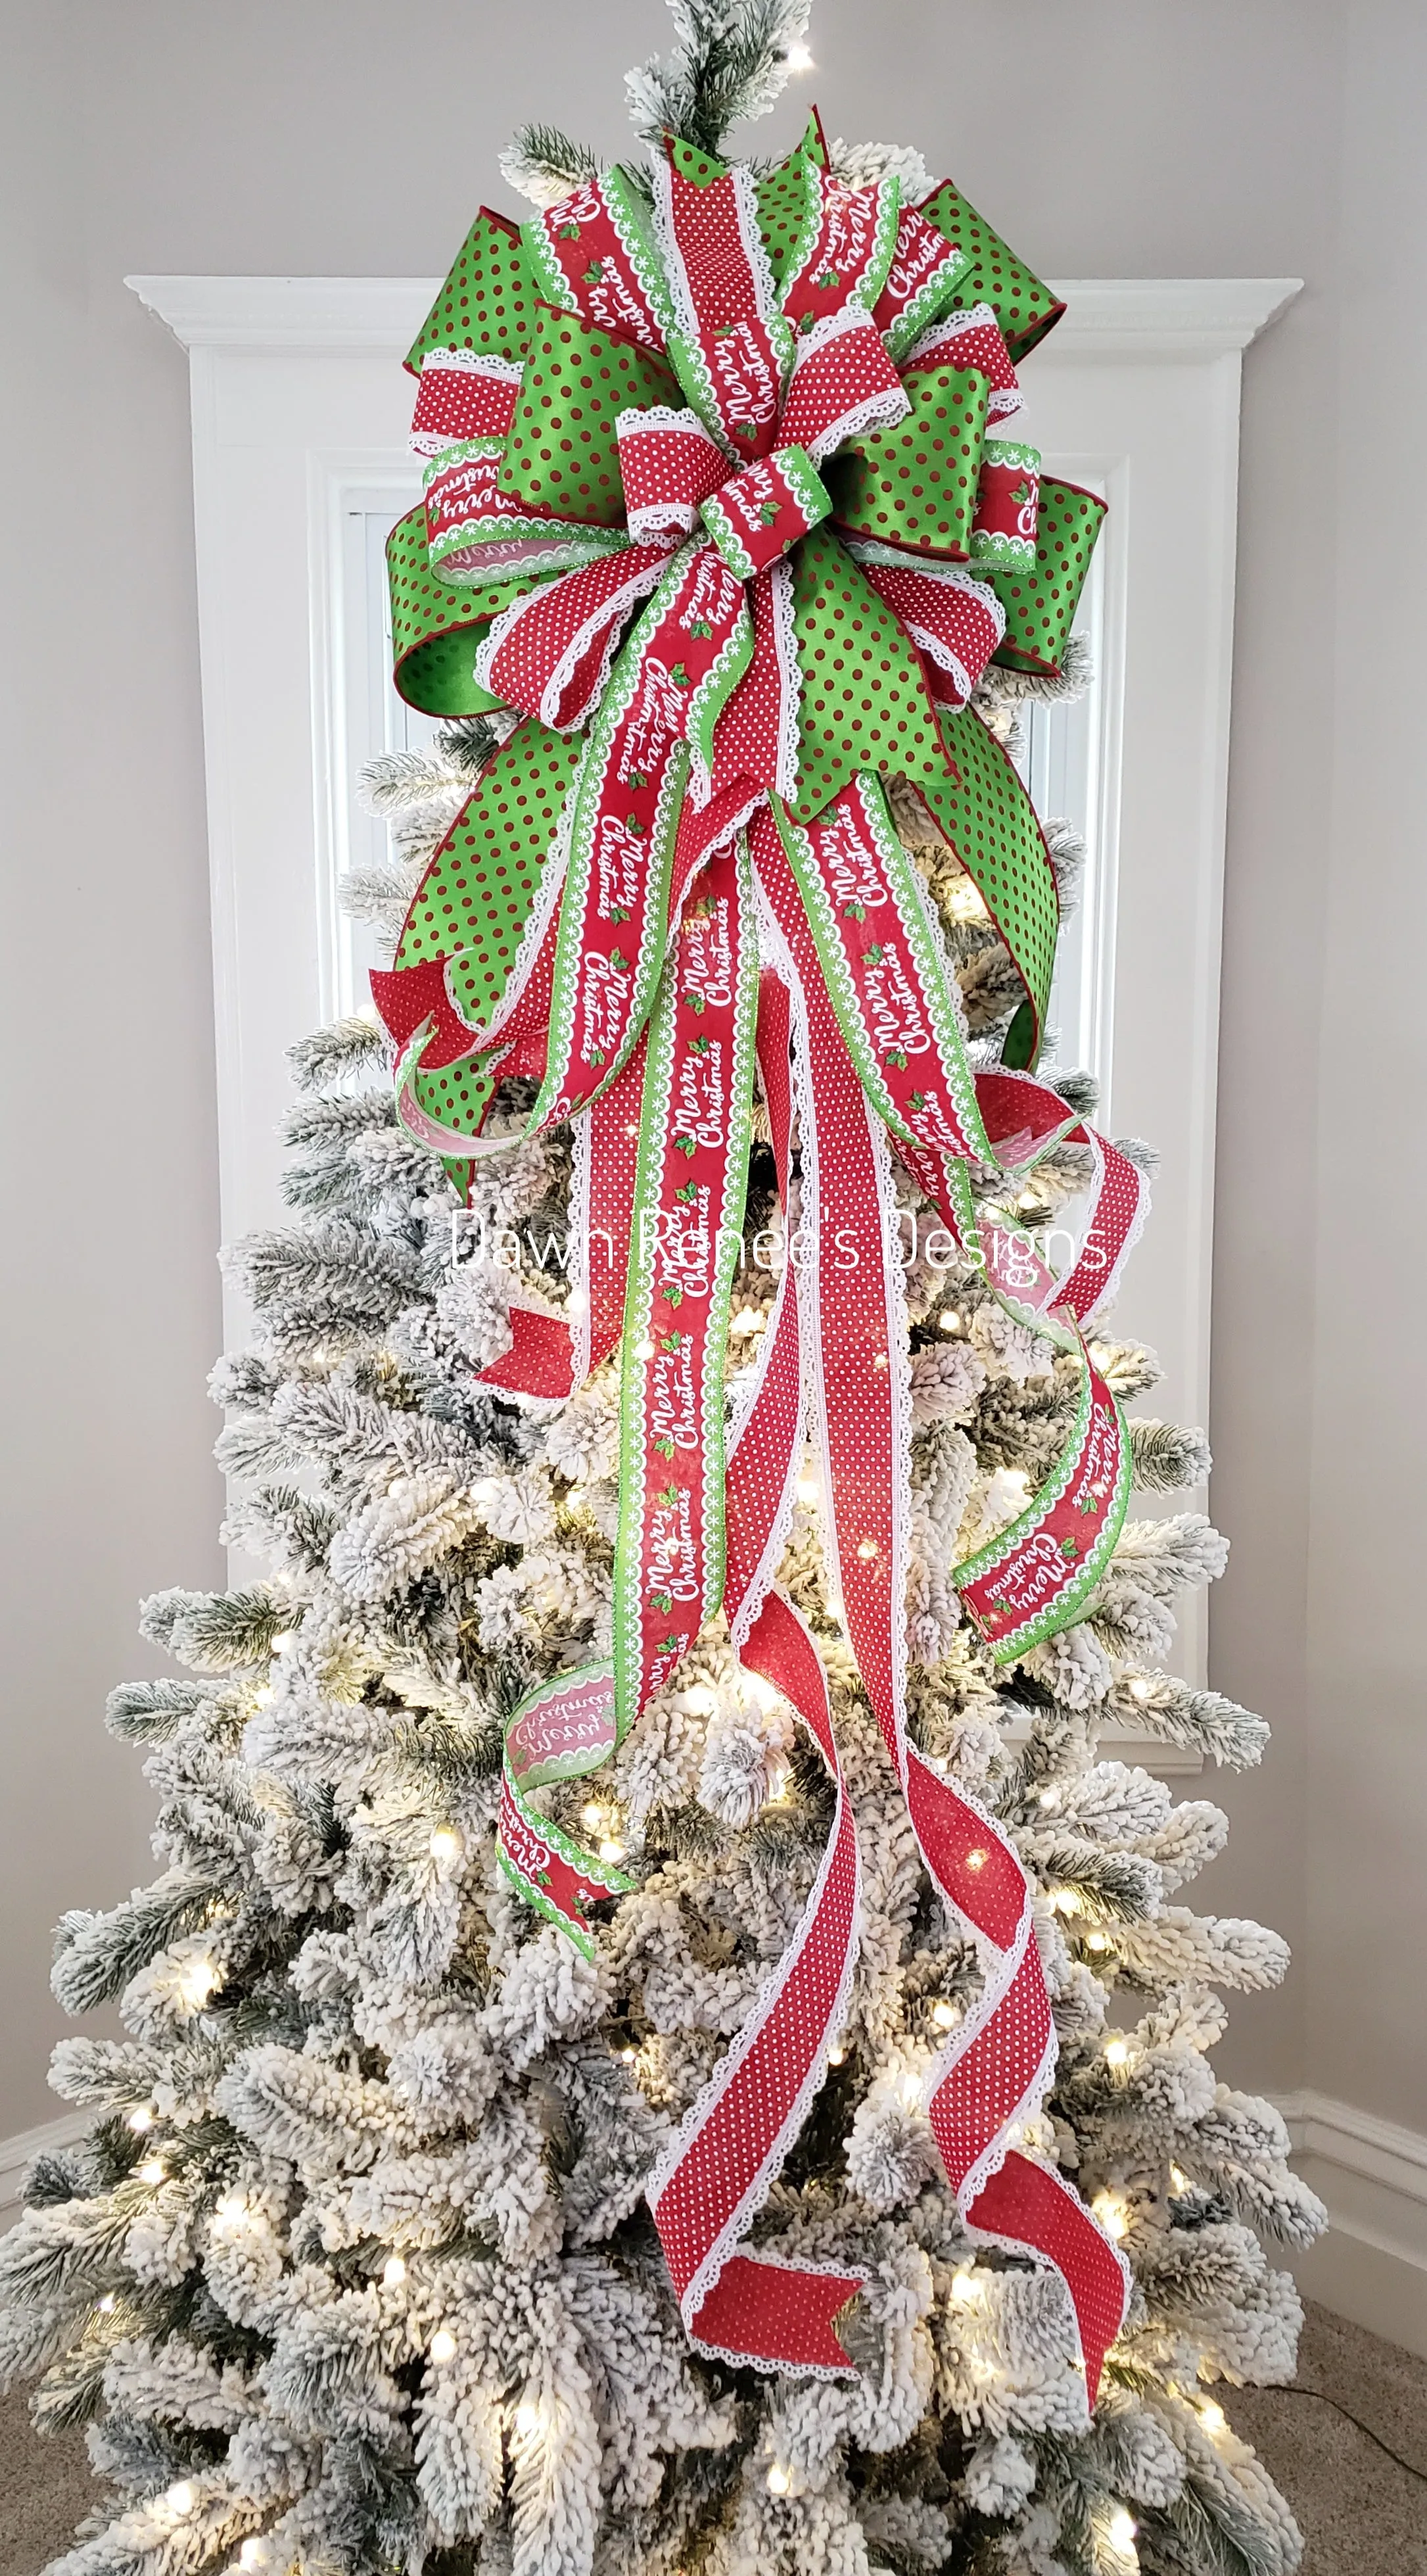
(300, 408)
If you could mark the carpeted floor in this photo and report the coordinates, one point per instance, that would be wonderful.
(1362, 2515)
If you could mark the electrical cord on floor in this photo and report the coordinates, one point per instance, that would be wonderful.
(1295, 2390)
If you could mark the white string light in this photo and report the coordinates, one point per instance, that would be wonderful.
(527, 2418)
(799, 58)
(152, 2170)
(393, 2272)
(779, 2480)
(1123, 2527)
(443, 2345)
(446, 1845)
(198, 1979)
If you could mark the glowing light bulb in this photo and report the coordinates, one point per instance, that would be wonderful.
(610, 1850)
(141, 2119)
(180, 2499)
(254, 2553)
(700, 1701)
(1028, 1199)
(778, 1780)
(282, 1641)
(527, 2418)
(629, 2056)
(263, 1695)
(579, 1305)
(1112, 2214)
(950, 1320)
(965, 2289)
(799, 60)
(1213, 2419)
(1117, 2052)
(834, 1610)
(1123, 2527)
(152, 2171)
(644, 1350)
(393, 2272)
(1139, 1690)
(977, 1859)
(106, 2304)
(807, 1489)
(867, 1549)
(837, 2056)
(446, 1845)
(1097, 1941)
(1065, 1900)
(778, 2479)
(592, 1816)
(1180, 2179)
(909, 2085)
(443, 2345)
(198, 1980)
(232, 2209)
(945, 2016)
(1048, 1797)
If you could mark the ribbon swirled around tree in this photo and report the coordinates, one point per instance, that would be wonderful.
(717, 503)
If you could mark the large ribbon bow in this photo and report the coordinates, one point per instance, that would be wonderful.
(713, 504)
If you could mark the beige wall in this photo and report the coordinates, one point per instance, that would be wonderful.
(1108, 137)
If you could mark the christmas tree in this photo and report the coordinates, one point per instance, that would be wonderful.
(371, 2260)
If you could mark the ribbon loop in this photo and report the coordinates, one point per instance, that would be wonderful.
(761, 513)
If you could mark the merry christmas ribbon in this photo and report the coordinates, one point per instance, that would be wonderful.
(717, 497)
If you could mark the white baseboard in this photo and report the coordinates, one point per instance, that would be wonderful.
(21, 2150)
(1372, 2264)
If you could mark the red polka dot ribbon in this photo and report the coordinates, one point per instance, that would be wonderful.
(713, 509)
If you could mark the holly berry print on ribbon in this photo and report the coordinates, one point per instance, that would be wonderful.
(1034, 1576)
(688, 1216)
(563, 1730)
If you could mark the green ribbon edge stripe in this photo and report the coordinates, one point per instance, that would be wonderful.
(910, 902)
(639, 1303)
(1061, 1612)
